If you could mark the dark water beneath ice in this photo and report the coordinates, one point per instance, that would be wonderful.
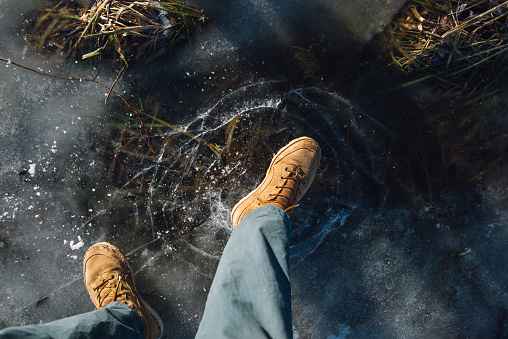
(384, 244)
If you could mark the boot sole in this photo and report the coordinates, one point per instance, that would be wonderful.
(152, 312)
(268, 171)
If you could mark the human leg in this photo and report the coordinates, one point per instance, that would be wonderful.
(121, 312)
(116, 320)
(250, 296)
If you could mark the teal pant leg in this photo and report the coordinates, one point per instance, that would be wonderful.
(116, 320)
(250, 295)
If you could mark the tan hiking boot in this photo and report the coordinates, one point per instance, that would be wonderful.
(288, 178)
(108, 277)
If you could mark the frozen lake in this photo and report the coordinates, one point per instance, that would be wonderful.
(385, 244)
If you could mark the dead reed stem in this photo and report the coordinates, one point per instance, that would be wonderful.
(461, 44)
(120, 29)
(200, 140)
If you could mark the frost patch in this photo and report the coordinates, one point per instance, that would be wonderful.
(78, 245)
(31, 169)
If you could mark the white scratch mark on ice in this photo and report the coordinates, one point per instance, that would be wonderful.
(31, 169)
(78, 245)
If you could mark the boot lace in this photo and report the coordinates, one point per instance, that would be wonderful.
(112, 288)
(292, 183)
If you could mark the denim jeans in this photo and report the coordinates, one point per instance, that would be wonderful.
(250, 295)
(116, 320)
